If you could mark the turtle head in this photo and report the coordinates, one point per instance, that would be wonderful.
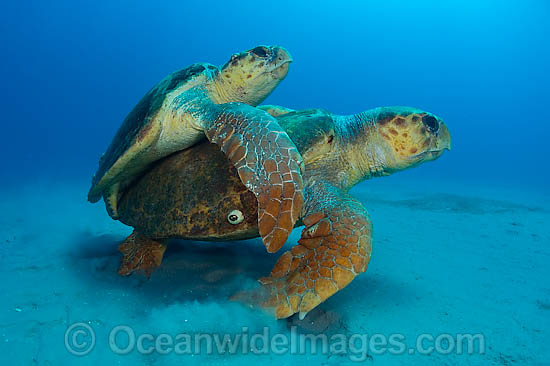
(345, 150)
(250, 76)
(411, 137)
(385, 140)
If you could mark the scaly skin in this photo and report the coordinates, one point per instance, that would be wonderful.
(335, 245)
(276, 180)
(338, 152)
(140, 253)
(203, 100)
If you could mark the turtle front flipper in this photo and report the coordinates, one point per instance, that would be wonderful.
(140, 254)
(334, 248)
(268, 164)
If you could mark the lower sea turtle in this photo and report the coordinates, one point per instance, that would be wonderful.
(196, 194)
(201, 101)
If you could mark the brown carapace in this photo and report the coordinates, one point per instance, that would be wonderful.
(217, 103)
(197, 194)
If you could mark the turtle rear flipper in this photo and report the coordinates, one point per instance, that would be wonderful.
(140, 254)
(334, 248)
(268, 164)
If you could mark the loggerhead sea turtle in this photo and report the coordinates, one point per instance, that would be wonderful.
(196, 194)
(204, 100)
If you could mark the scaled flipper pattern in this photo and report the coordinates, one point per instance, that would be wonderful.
(334, 248)
(268, 164)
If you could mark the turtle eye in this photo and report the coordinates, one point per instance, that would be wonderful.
(260, 51)
(431, 123)
(235, 217)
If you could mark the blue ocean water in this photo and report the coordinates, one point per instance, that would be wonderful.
(461, 244)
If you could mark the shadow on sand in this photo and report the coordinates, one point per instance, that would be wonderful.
(202, 271)
(456, 204)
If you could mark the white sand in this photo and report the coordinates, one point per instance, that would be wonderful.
(447, 259)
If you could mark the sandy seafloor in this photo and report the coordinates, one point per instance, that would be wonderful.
(447, 259)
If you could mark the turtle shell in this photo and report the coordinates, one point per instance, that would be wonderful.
(136, 121)
(191, 194)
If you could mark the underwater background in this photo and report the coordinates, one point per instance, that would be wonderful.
(461, 244)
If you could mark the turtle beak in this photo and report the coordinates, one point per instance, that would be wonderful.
(444, 138)
(443, 143)
(280, 55)
(280, 60)
(280, 72)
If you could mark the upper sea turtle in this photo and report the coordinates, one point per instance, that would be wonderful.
(196, 194)
(206, 100)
